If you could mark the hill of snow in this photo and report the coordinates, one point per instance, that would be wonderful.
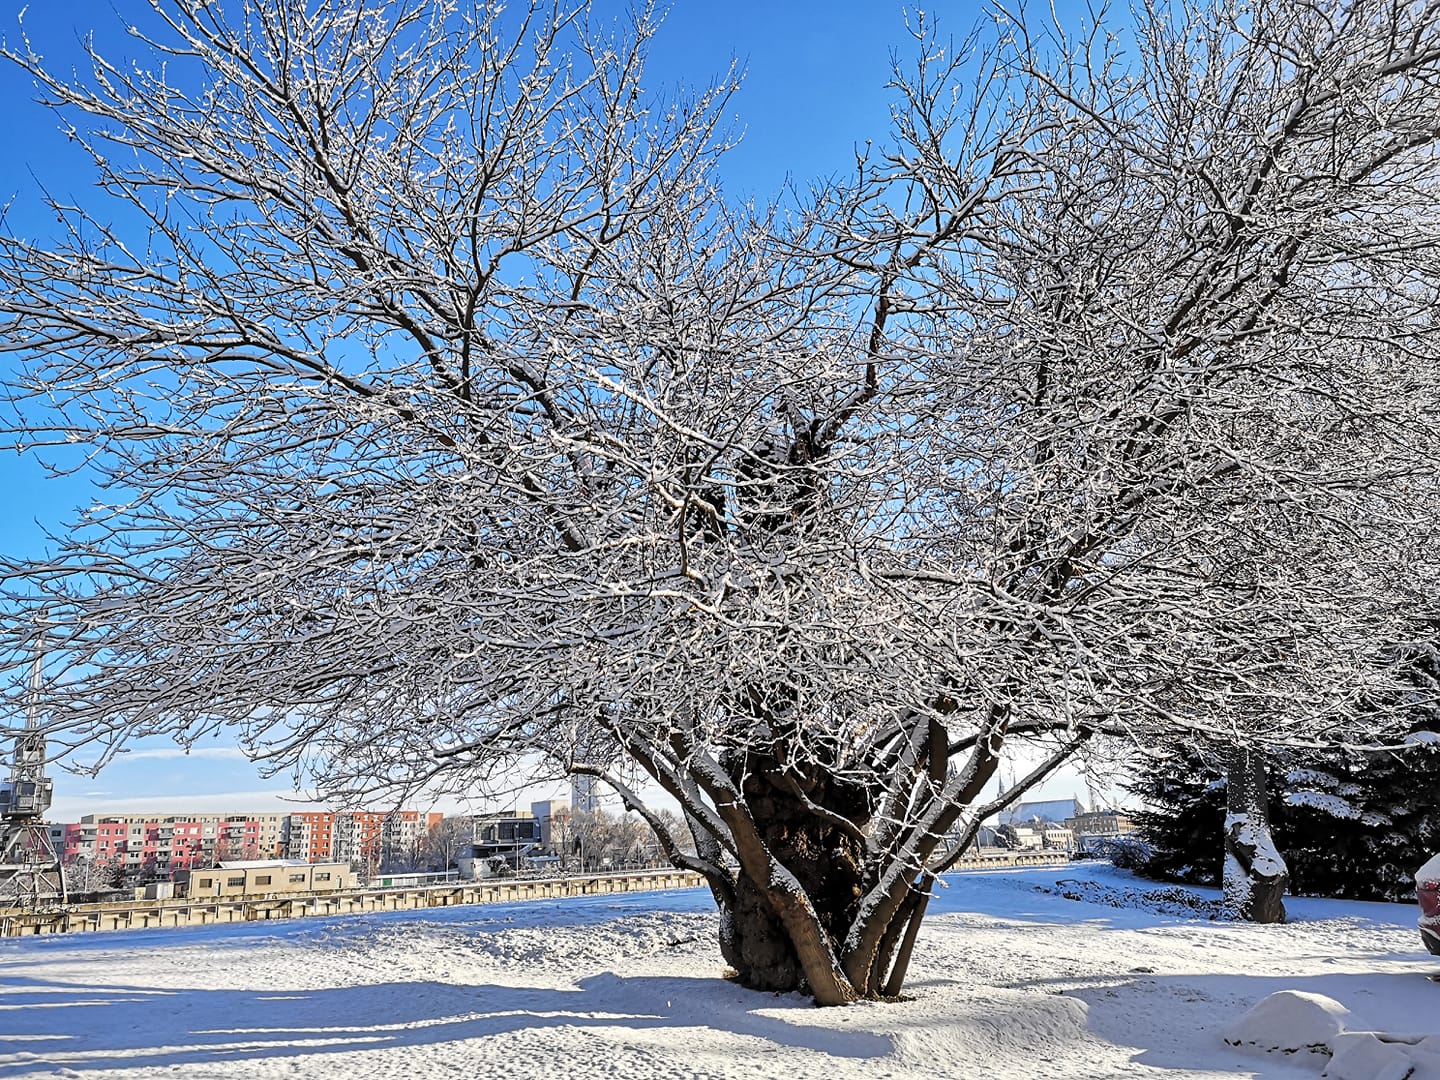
(1077, 971)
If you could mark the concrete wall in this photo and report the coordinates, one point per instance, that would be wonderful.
(140, 914)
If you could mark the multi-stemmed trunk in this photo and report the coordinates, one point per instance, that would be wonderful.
(806, 909)
(825, 859)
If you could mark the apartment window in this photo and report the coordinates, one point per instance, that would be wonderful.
(297, 879)
(322, 877)
(263, 879)
(234, 881)
(205, 883)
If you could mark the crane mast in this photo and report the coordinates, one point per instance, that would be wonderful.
(30, 872)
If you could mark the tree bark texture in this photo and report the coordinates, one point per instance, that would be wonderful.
(822, 856)
(1255, 875)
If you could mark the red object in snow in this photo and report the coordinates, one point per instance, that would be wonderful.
(1427, 891)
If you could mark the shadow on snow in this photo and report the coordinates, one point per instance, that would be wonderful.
(148, 1028)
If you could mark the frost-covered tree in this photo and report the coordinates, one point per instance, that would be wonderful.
(1350, 822)
(1359, 824)
(88, 876)
(1190, 828)
(448, 417)
(445, 841)
(1183, 798)
(606, 839)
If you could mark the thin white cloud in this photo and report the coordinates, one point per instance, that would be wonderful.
(263, 801)
(271, 801)
(230, 753)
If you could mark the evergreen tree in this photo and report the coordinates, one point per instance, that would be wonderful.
(1351, 823)
(1358, 824)
(1185, 825)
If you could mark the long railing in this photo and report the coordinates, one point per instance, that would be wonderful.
(1001, 860)
(146, 914)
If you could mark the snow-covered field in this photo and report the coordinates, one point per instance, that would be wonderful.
(1031, 973)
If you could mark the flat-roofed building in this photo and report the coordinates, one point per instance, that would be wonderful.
(264, 877)
(1097, 826)
(154, 847)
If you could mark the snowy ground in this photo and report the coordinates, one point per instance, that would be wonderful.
(1032, 973)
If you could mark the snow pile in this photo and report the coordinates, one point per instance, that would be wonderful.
(1289, 1022)
(1296, 1022)
(508, 943)
(1364, 1055)
(1164, 900)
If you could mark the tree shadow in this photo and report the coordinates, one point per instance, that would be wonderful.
(83, 1027)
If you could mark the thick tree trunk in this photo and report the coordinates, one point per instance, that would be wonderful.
(1255, 873)
(822, 856)
(792, 917)
(755, 943)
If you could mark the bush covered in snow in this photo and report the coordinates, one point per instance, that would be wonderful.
(1126, 852)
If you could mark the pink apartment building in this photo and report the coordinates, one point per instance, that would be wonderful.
(151, 847)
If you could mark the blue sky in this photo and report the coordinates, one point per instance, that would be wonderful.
(814, 88)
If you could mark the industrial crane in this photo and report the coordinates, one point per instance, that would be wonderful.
(30, 870)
